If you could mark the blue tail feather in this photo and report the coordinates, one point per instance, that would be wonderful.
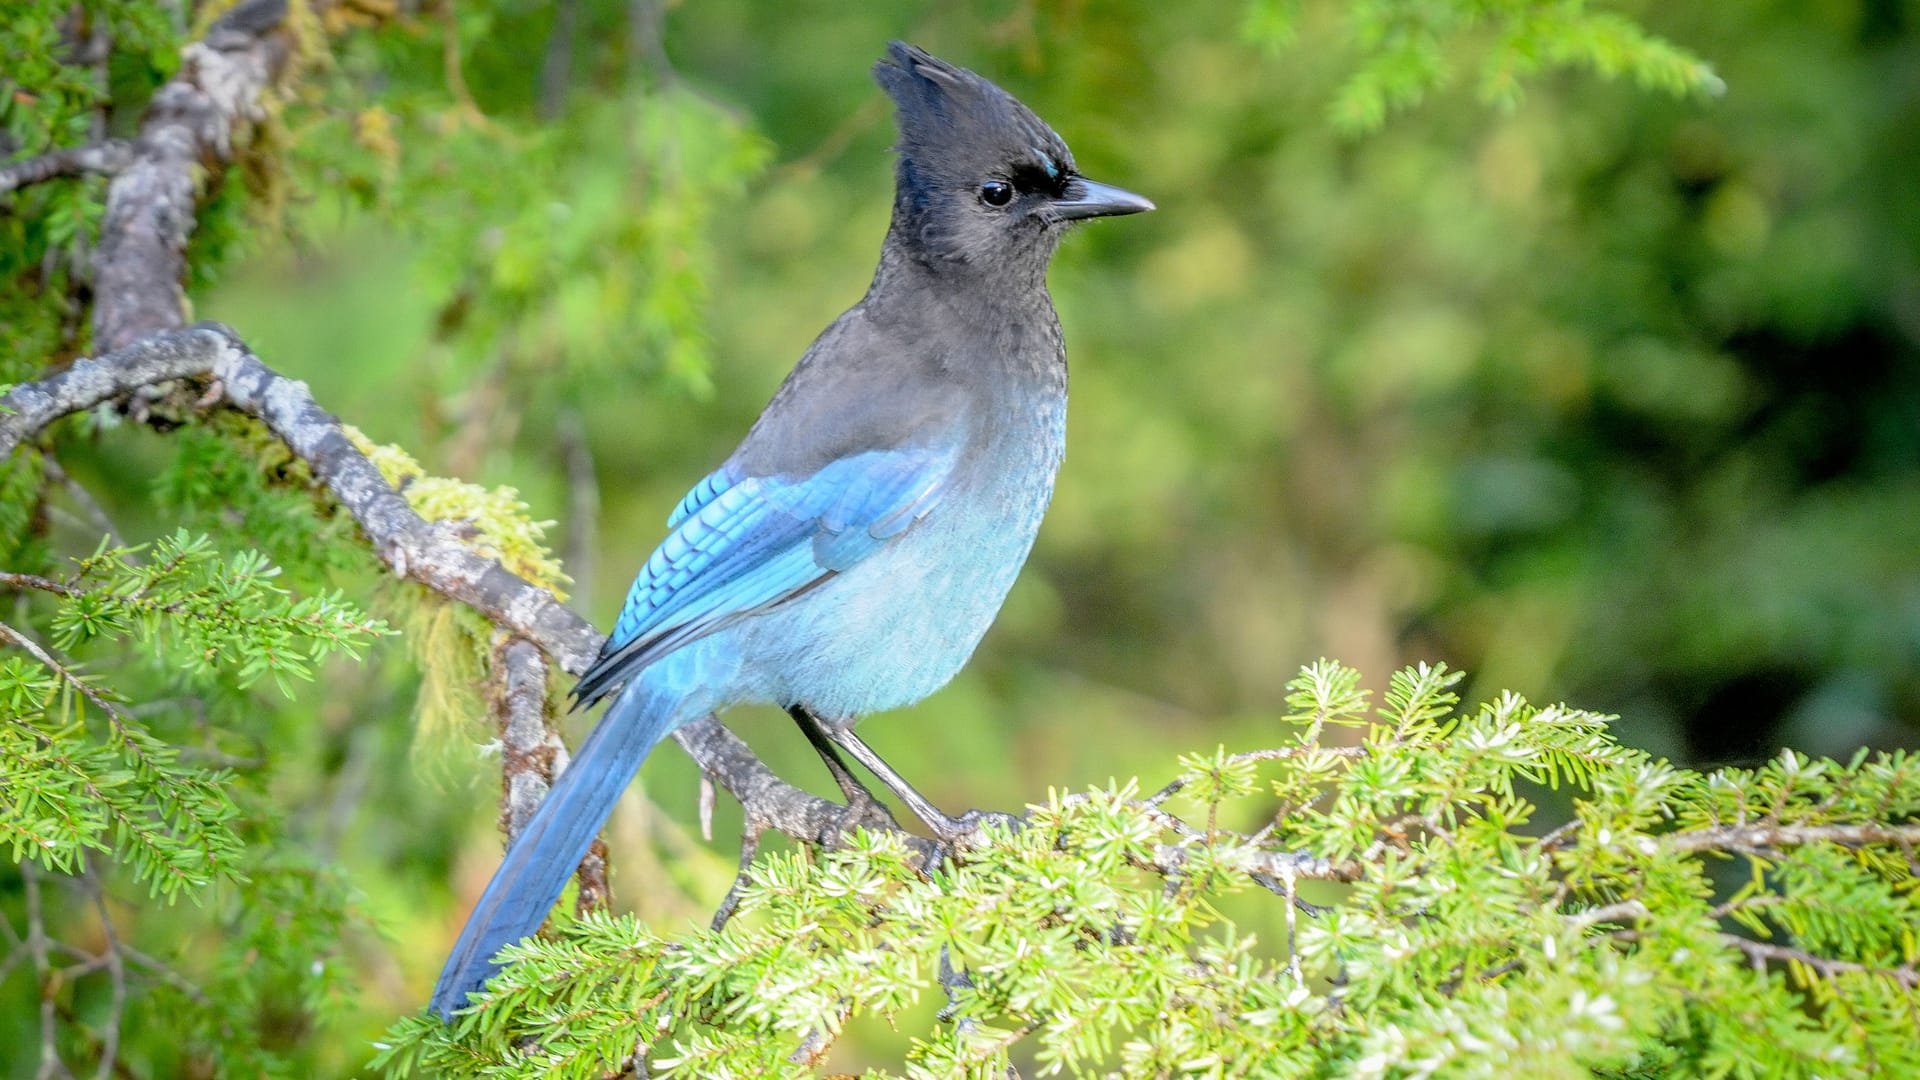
(537, 865)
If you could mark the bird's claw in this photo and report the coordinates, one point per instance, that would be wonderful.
(862, 811)
(968, 831)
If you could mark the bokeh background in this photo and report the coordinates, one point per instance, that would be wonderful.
(1604, 395)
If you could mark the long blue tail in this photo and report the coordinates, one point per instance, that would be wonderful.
(545, 854)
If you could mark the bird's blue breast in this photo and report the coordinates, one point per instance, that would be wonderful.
(899, 625)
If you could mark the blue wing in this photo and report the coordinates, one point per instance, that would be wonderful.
(741, 544)
(703, 493)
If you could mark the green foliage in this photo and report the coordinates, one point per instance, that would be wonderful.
(588, 258)
(1406, 49)
(232, 480)
(209, 611)
(69, 791)
(269, 968)
(107, 795)
(1470, 942)
(82, 774)
(497, 518)
(50, 100)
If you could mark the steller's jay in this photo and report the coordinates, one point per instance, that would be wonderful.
(850, 554)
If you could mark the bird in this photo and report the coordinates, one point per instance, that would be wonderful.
(849, 555)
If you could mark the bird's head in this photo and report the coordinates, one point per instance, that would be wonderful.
(982, 181)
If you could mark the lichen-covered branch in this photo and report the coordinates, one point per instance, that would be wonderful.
(1744, 838)
(531, 752)
(107, 158)
(415, 549)
(193, 125)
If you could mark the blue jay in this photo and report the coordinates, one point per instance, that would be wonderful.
(852, 552)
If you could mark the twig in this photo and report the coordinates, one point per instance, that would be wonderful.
(165, 974)
(1761, 952)
(115, 715)
(35, 581)
(952, 981)
(646, 48)
(820, 1039)
(455, 68)
(350, 785)
(749, 849)
(104, 158)
(594, 892)
(16, 948)
(1560, 836)
(1624, 911)
(1753, 838)
(531, 752)
(116, 971)
(1293, 931)
(556, 69)
(37, 944)
(704, 805)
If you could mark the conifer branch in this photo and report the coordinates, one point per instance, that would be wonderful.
(106, 158)
(1759, 838)
(1760, 953)
(11, 580)
(430, 553)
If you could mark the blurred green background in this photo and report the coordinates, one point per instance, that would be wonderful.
(1604, 395)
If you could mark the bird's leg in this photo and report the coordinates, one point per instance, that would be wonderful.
(949, 831)
(815, 730)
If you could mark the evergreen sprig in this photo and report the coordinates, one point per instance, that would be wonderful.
(1449, 933)
(64, 792)
(209, 610)
(1404, 50)
(82, 774)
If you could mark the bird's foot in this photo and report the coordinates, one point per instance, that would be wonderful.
(968, 831)
(861, 811)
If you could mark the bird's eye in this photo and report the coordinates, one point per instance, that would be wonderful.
(996, 193)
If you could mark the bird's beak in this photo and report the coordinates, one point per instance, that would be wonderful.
(1090, 199)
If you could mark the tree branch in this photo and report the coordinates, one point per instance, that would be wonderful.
(10, 580)
(1762, 837)
(192, 126)
(1760, 952)
(415, 549)
(530, 749)
(109, 157)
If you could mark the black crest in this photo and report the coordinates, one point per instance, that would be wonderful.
(949, 112)
(957, 128)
